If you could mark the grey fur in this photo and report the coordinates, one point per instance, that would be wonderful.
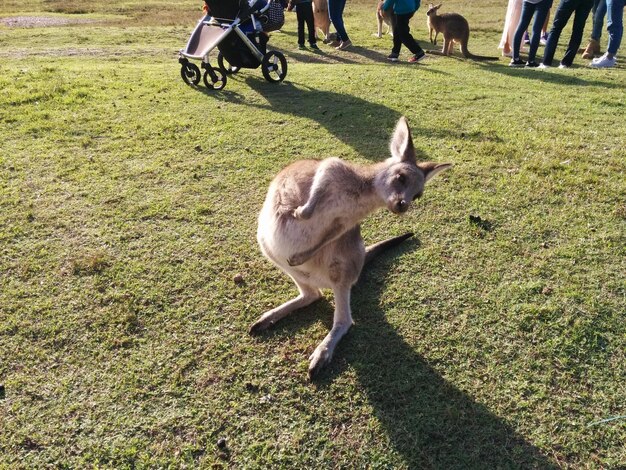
(309, 226)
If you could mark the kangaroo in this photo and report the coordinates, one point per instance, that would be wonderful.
(454, 28)
(309, 227)
(388, 17)
(321, 18)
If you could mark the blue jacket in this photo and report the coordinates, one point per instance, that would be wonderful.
(402, 7)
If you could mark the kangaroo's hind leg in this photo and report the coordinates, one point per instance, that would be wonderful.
(308, 295)
(342, 321)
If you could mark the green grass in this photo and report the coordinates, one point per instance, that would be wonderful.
(128, 203)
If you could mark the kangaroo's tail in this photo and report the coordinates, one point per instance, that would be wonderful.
(374, 250)
(468, 55)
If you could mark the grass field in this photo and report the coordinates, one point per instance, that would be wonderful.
(128, 203)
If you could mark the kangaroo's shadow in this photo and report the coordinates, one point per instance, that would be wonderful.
(429, 421)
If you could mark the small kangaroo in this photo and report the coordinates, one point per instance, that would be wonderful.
(388, 17)
(321, 18)
(309, 227)
(454, 28)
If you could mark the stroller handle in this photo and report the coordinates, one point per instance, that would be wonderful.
(254, 7)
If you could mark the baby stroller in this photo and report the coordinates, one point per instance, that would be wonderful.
(238, 29)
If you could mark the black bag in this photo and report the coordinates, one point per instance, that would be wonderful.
(274, 17)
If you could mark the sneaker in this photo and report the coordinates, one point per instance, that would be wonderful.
(393, 57)
(507, 54)
(564, 66)
(344, 45)
(417, 57)
(603, 62)
(301, 47)
(543, 66)
(532, 64)
(334, 43)
(517, 63)
(313, 45)
(543, 40)
(526, 38)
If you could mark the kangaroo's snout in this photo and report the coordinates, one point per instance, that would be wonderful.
(400, 206)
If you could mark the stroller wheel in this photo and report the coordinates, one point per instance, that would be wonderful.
(225, 66)
(190, 73)
(214, 79)
(274, 66)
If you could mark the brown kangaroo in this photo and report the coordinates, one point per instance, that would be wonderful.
(309, 227)
(454, 28)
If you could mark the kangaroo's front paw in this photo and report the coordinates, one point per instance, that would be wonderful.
(303, 213)
(319, 359)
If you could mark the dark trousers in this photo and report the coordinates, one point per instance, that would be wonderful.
(304, 14)
(402, 35)
(528, 10)
(580, 9)
(335, 11)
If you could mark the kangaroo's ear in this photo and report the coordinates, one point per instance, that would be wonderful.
(439, 6)
(431, 169)
(401, 145)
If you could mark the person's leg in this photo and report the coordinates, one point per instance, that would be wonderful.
(300, 15)
(615, 25)
(528, 9)
(335, 10)
(542, 8)
(407, 38)
(310, 21)
(400, 30)
(561, 17)
(599, 12)
(580, 18)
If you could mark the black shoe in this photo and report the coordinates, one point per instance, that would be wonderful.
(313, 45)
(393, 57)
(532, 64)
(517, 63)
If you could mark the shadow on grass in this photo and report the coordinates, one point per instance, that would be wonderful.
(363, 125)
(547, 76)
(429, 421)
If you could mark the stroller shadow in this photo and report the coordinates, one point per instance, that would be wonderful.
(345, 116)
(429, 421)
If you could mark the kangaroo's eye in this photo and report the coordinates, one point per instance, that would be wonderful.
(401, 179)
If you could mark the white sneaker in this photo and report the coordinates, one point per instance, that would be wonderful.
(563, 66)
(603, 62)
(543, 66)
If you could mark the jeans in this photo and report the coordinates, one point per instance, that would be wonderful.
(614, 24)
(304, 14)
(598, 11)
(580, 9)
(335, 11)
(528, 10)
(402, 35)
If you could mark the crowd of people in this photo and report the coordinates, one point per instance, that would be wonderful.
(515, 36)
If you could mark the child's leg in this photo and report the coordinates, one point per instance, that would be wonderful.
(580, 18)
(401, 28)
(300, 15)
(528, 9)
(542, 8)
(407, 38)
(310, 22)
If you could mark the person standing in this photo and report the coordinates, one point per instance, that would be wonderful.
(615, 28)
(539, 9)
(335, 11)
(580, 9)
(404, 10)
(304, 15)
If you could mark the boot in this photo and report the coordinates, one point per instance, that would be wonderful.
(592, 50)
